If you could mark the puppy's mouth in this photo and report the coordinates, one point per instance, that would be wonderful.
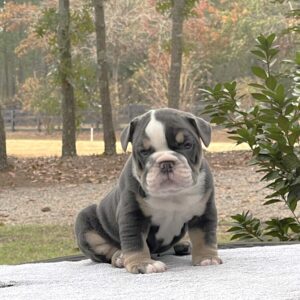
(160, 180)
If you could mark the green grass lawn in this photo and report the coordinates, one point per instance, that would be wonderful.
(25, 243)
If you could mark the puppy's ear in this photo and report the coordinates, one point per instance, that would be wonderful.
(202, 128)
(127, 134)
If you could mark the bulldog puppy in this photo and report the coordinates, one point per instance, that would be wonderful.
(165, 189)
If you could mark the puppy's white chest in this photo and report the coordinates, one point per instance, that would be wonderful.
(171, 215)
(170, 225)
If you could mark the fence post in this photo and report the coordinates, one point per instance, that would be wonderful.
(130, 112)
(92, 134)
(12, 120)
(39, 123)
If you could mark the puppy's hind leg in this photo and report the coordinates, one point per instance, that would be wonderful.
(183, 247)
(91, 237)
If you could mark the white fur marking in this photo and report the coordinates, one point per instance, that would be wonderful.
(171, 213)
(171, 221)
(209, 262)
(155, 130)
(156, 267)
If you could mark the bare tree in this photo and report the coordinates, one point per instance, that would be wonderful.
(176, 53)
(65, 70)
(3, 156)
(108, 127)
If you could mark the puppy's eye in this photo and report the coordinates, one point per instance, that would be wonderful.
(187, 145)
(145, 152)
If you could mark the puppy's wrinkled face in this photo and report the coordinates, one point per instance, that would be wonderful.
(167, 152)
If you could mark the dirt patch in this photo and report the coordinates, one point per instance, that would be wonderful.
(35, 172)
(54, 190)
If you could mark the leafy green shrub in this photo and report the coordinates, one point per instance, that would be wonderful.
(272, 130)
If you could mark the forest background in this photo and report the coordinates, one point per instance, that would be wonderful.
(217, 38)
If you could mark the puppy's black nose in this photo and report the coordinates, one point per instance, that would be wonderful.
(166, 166)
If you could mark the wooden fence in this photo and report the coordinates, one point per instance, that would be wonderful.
(19, 120)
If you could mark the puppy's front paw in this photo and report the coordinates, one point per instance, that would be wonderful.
(207, 261)
(117, 259)
(146, 267)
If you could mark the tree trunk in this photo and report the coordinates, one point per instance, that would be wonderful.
(65, 71)
(6, 66)
(3, 156)
(176, 53)
(102, 68)
(20, 75)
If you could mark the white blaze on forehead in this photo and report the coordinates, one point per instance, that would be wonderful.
(155, 130)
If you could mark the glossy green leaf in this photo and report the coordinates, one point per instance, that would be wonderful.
(271, 83)
(272, 201)
(271, 38)
(283, 123)
(260, 97)
(259, 53)
(259, 72)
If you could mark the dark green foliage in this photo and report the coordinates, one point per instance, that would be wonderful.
(48, 22)
(81, 25)
(272, 130)
(286, 229)
(246, 227)
(83, 73)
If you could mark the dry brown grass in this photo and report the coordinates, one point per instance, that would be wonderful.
(36, 148)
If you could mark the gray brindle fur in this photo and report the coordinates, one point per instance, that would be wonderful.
(165, 189)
